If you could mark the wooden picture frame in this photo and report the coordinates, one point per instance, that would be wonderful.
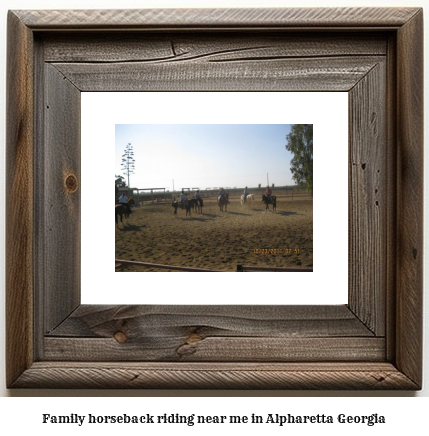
(373, 342)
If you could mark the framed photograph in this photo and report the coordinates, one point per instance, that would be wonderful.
(234, 139)
(59, 60)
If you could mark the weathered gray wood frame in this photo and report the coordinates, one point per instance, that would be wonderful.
(374, 342)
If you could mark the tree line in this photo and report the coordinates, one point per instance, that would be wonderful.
(300, 144)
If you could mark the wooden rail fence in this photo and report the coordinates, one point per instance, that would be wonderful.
(119, 265)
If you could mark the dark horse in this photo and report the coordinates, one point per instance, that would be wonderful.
(192, 203)
(200, 204)
(267, 202)
(122, 210)
(223, 201)
(188, 204)
(131, 202)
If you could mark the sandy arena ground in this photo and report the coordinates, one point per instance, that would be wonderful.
(219, 240)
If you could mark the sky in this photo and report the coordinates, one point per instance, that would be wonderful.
(205, 155)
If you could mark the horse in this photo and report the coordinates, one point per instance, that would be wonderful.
(223, 201)
(192, 205)
(122, 210)
(267, 202)
(249, 199)
(131, 202)
(128, 205)
(176, 204)
(200, 204)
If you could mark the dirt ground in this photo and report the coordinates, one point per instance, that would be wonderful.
(219, 240)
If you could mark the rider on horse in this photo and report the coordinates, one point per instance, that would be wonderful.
(222, 193)
(269, 194)
(123, 199)
(183, 198)
(246, 193)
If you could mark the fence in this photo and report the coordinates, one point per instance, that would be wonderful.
(119, 265)
(292, 193)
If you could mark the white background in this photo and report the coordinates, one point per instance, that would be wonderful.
(405, 414)
(100, 113)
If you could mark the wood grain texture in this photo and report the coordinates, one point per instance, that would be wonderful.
(409, 273)
(230, 62)
(109, 375)
(20, 188)
(207, 18)
(153, 347)
(192, 347)
(368, 202)
(391, 193)
(330, 74)
(214, 333)
(61, 199)
(99, 321)
(227, 46)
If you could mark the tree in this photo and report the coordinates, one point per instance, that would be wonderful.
(300, 143)
(128, 162)
(119, 183)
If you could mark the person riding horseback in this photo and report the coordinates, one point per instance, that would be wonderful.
(123, 199)
(222, 193)
(245, 194)
(199, 199)
(269, 194)
(183, 199)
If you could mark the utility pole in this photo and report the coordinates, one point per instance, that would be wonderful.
(268, 183)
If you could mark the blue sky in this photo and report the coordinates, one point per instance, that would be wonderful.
(205, 155)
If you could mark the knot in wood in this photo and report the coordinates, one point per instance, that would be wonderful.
(71, 183)
(193, 337)
(120, 337)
